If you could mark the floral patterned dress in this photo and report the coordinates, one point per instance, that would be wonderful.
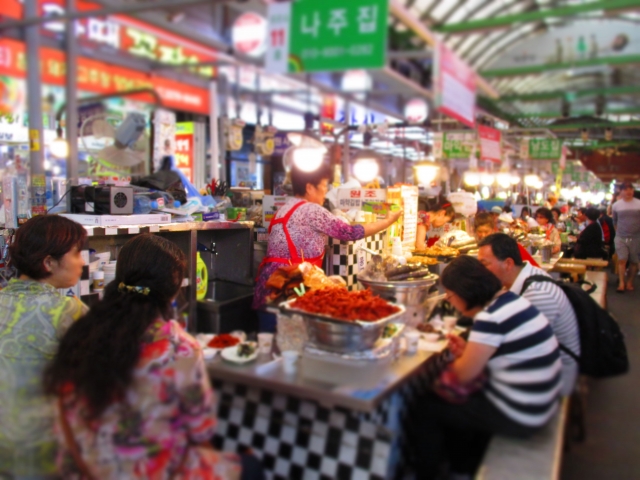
(309, 227)
(169, 406)
(33, 318)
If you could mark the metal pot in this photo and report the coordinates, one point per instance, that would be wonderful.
(342, 336)
(410, 293)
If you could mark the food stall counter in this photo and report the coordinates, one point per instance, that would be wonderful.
(303, 428)
(268, 374)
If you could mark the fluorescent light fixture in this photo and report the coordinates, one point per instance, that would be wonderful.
(426, 173)
(471, 178)
(531, 180)
(308, 159)
(504, 179)
(487, 179)
(366, 169)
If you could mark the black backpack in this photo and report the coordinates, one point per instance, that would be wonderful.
(603, 352)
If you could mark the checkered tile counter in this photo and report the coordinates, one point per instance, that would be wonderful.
(344, 257)
(299, 439)
(296, 438)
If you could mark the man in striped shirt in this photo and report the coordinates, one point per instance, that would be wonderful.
(499, 253)
(512, 343)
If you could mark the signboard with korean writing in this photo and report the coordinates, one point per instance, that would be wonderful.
(185, 148)
(454, 85)
(544, 149)
(313, 36)
(490, 146)
(458, 145)
(98, 77)
(270, 206)
(349, 198)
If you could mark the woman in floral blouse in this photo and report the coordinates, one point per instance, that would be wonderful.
(133, 392)
(301, 227)
(33, 317)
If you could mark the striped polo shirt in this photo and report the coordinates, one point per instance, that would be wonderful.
(525, 371)
(554, 304)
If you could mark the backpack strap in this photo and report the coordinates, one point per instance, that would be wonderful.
(545, 278)
(533, 279)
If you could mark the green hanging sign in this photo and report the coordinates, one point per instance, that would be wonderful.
(327, 35)
(458, 145)
(545, 149)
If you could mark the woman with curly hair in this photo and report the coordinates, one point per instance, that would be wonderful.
(33, 317)
(134, 398)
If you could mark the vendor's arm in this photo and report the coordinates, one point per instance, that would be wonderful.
(323, 221)
(421, 237)
(378, 226)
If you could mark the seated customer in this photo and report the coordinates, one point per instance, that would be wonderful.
(33, 318)
(544, 217)
(590, 243)
(133, 392)
(499, 253)
(484, 227)
(514, 344)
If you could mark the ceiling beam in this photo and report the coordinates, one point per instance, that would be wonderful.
(399, 11)
(579, 126)
(589, 92)
(508, 21)
(589, 112)
(538, 69)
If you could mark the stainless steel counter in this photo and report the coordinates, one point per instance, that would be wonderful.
(328, 394)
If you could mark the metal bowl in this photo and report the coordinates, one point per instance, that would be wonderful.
(410, 293)
(342, 336)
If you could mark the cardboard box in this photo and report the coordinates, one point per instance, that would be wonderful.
(118, 220)
(270, 205)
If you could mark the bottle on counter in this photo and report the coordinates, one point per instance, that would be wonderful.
(141, 204)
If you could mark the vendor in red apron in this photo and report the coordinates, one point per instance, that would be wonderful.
(433, 224)
(300, 229)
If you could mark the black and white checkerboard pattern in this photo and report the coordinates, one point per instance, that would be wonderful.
(345, 259)
(299, 439)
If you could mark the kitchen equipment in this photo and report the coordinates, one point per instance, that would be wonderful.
(341, 336)
(412, 294)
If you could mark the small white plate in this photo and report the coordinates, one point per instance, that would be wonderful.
(204, 339)
(230, 354)
(209, 353)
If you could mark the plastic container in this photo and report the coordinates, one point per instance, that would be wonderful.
(141, 204)
(98, 281)
(202, 278)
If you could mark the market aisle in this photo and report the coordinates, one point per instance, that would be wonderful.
(613, 408)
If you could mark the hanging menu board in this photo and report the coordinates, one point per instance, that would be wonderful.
(454, 84)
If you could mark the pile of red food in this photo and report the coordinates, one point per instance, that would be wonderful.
(345, 305)
(223, 340)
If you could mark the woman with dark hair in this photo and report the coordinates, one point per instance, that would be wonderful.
(300, 228)
(33, 317)
(431, 224)
(590, 243)
(511, 343)
(134, 399)
(544, 217)
(527, 219)
(557, 214)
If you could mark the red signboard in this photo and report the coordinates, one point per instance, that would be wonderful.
(185, 148)
(454, 86)
(490, 147)
(120, 33)
(99, 77)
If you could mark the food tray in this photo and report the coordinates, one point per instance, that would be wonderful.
(286, 307)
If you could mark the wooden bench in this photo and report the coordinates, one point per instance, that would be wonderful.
(535, 458)
(539, 457)
(599, 279)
